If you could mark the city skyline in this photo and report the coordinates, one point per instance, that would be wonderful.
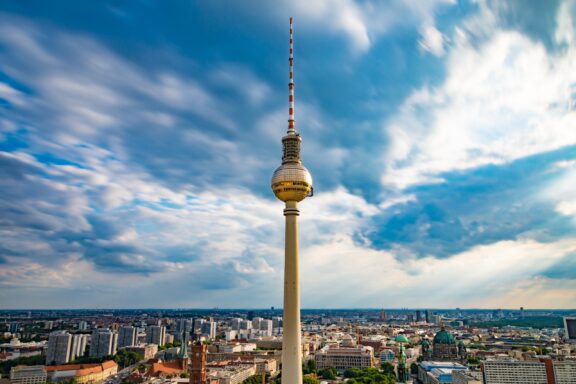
(137, 143)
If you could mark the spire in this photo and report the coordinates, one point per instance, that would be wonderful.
(291, 121)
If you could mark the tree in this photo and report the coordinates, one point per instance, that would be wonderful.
(352, 372)
(328, 373)
(473, 360)
(185, 375)
(256, 379)
(311, 364)
(414, 368)
(310, 380)
(387, 368)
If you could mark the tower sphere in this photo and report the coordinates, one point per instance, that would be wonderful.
(291, 182)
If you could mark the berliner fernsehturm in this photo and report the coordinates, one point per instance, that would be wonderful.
(291, 183)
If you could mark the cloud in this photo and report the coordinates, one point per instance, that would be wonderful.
(360, 22)
(432, 41)
(504, 97)
(144, 168)
(480, 206)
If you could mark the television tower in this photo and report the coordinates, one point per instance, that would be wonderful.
(291, 183)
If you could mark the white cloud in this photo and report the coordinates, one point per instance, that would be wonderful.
(432, 40)
(504, 98)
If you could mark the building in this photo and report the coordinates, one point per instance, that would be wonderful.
(182, 326)
(209, 329)
(344, 356)
(197, 329)
(82, 326)
(402, 369)
(34, 374)
(82, 373)
(434, 372)
(198, 363)
(59, 347)
(419, 315)
(103, 342)
(386, 356)
(147, 351)
(570, 329)
(428, 316)
(156, 334)
(291, 183)
(127, 336)
(232, 374)
(466, 377)
(266, 327)
(78, 347)
(506, 371)
(382, 316)
(13, 327)
(444, 347)
(246, 324)
(564, 371)
(235, 323)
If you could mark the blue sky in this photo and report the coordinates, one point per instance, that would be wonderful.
(138, 138)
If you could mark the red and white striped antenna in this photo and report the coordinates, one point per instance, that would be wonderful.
(291, 120)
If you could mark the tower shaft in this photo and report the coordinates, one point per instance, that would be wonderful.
(291, 340)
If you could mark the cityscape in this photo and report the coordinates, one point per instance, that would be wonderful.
(422, 153)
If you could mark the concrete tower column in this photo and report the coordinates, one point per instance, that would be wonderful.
(292, 345)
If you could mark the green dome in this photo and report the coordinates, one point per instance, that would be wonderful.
(444, 337)
(461, 343)
(425, 342)
(401, 339)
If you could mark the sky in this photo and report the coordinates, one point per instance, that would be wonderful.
(138, 140)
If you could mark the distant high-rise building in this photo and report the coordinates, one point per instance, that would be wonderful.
(235, 323)
(570, 329)
(155, 334)
(382, 315)
(428, 316)
(13, 327)
(48, 325)
(127, 336)
(209, 329)
(419, 316)
(246, 324)
(256, 322)
(197, 328)
(103, 342)
(78, 347)
(59, 345)
(277, 322)
(82, 326)
(521, 312)
(183, 326)
(266, 327)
